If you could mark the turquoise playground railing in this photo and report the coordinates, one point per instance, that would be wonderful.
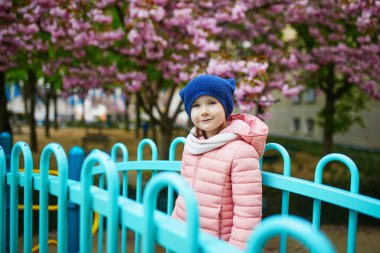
(110, 199)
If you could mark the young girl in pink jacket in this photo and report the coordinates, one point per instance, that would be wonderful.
(221, 160)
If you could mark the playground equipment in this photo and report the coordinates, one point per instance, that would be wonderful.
(140, 216)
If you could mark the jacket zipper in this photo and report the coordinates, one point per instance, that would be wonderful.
(196, 170)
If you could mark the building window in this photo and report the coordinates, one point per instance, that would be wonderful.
(310, 96)
(296, 124)
(297, 99)
(310, 125)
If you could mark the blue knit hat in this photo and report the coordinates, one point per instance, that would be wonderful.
(214, 86)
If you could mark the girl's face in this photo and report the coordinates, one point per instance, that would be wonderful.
(207, 114)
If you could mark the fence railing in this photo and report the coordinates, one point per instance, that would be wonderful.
(111, 197)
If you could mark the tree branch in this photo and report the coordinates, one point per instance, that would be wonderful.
(346, 85)
(153, 100)
(177, 111)
(143, 104)
(172, 90)
(120, 15)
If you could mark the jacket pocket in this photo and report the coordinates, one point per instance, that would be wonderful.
(210, 220)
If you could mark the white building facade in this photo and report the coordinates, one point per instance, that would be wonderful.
(297, 118)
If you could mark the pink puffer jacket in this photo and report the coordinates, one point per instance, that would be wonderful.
(227, 182)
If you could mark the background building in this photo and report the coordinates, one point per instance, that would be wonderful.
(297, 118)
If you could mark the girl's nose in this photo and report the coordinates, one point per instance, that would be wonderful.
(204, 111)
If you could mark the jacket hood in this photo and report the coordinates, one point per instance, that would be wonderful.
(250, 128)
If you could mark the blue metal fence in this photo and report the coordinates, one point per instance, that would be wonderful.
(109, 198)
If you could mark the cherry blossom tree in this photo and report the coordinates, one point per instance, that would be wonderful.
(332, 46)
(172, 42)
(7, 49)
(154, 47)
(32, 49)
(44, 46)
(150, 48)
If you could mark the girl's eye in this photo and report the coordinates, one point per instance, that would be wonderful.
(212, 103)
(194, 105)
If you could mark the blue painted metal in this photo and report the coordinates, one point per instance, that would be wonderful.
(124, 192)
(122, 148)
(168, 230)
(2, 201)
(124, 153)
(63, 171)
(172, 151)
(154, 186)
(114, 151)
(171, 234)
(285, 194)
(147, 165)
(140, 154)
(18, 148)
(298, 228)
(111, 210)
(76, 159)
(173, 147)
(360, 203)
(101, 219)
(354, 188)
(6, 142)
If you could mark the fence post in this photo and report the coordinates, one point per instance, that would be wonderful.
(6, 143)
(76, 158)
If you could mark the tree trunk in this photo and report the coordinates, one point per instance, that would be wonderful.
(138, 118)
(55, 102)
(152, 124)
(259, 110)
(5, 125)
(153, 130)
(329, 111)
(83, 112)
(328, 134)
(127, 119)
(47, 120)
(32, 120)
(25, 96)
(165, 120)
(166, 139)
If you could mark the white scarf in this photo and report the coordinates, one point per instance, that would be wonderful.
(197, 146)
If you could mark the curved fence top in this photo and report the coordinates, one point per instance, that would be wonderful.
(21, 148)
(154, 186)
(112, 178)
(60, 156)
(284, 154)
(173, 147)
(295, 227)
(122, 148)
(140, 149)
(342, 159)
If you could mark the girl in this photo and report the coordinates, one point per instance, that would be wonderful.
(221, 160)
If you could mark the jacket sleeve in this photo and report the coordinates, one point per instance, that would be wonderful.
(246, 195)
